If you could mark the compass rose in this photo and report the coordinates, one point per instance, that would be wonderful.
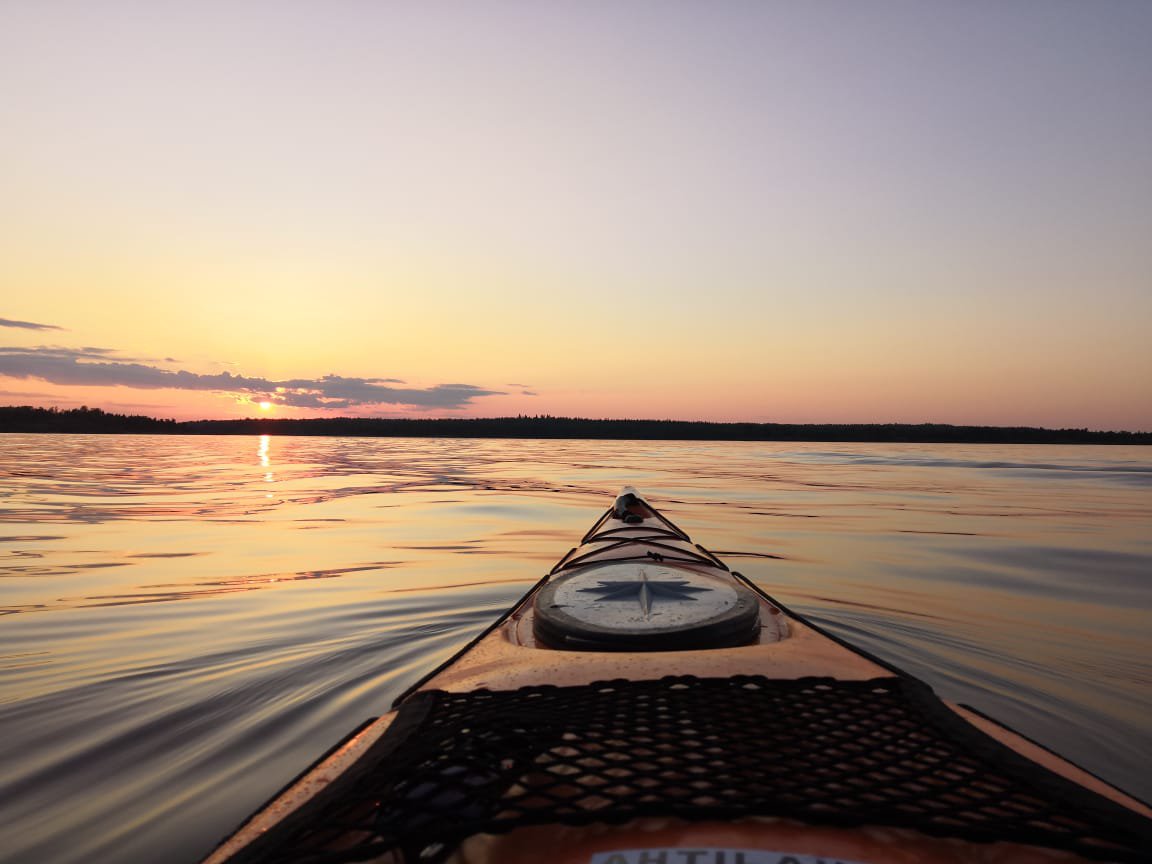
(645, 591)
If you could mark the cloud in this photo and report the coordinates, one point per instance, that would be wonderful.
(29, 394)
(94, 367)
(27, 325)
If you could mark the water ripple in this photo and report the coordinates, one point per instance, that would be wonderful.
(317, 578)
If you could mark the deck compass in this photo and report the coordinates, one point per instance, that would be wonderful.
(643, 606)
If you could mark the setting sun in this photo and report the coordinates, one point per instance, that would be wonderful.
(265, 406)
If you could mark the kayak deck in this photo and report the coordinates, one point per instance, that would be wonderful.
(792, 736)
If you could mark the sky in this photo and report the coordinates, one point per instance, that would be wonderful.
(831, 211)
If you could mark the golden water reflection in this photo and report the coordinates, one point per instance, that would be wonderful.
(194, 602)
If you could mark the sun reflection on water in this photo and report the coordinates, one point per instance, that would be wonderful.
(266, 460)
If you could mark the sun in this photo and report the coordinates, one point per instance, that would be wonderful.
(265, 406)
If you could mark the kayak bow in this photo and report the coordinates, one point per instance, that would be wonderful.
(643, 704)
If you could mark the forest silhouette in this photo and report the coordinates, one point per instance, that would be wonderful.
(96, 421)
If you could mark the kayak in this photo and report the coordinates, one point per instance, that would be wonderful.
(645, 704)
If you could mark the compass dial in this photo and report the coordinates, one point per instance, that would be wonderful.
(647, 597)
(643, 606)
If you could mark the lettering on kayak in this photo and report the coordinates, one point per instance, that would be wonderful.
(710, 855)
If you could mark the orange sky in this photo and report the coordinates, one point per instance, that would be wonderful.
(751, 212)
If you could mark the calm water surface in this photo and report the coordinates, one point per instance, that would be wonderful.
(187, 622)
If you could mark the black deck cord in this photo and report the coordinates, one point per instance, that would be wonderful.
(406, 729)
(1133, 829)
(900, 673)
(524, 599)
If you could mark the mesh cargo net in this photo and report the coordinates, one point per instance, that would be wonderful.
(843, 753)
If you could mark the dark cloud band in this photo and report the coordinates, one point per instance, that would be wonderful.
(27, 325)
(93, 367)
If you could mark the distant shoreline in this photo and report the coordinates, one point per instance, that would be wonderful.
(95, 421)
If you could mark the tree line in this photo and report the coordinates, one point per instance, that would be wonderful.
(94, 420)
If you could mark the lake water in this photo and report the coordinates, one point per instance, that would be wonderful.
(187, 622)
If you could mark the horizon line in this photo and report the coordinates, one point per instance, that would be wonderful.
(542, 418)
